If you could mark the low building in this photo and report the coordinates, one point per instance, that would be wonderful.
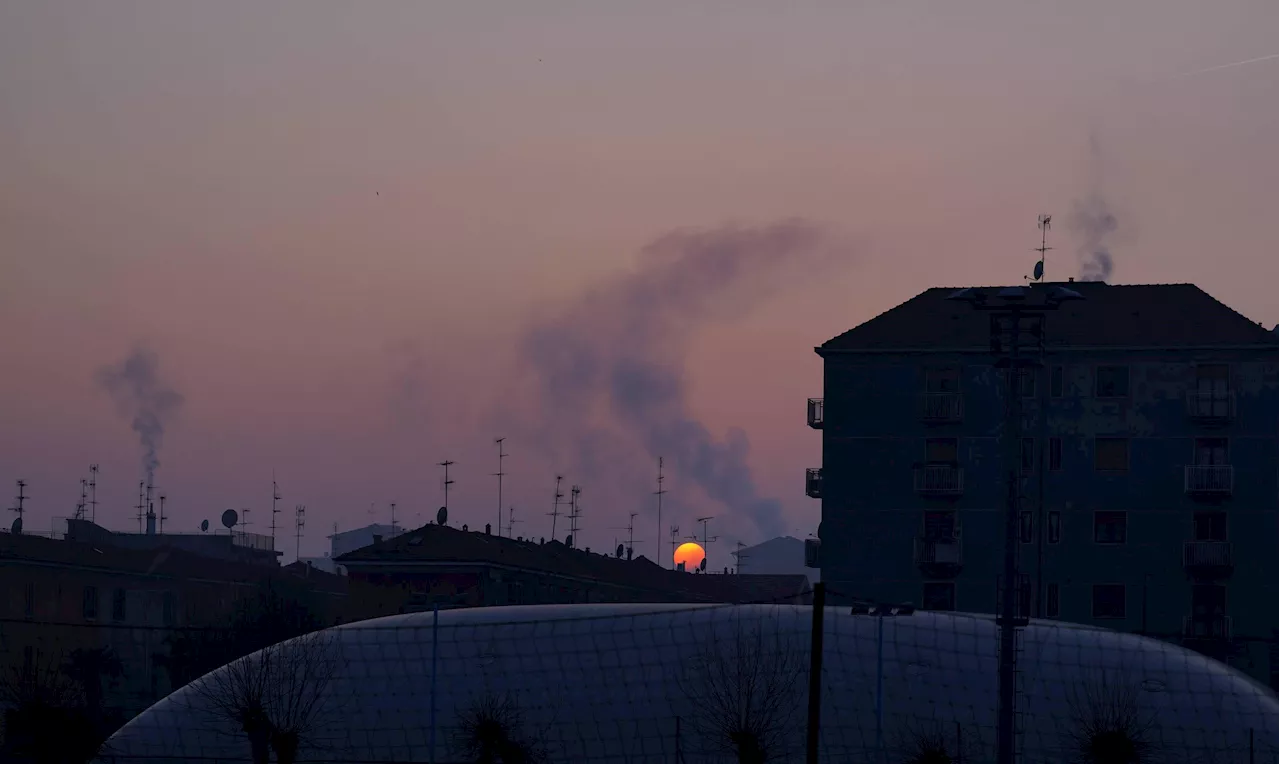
(439, 566)
(349, 541)
(233, 545)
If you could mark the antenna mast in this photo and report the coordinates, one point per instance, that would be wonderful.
(499, 474)
(93, 493)
(706, 540)
(555, 506)
(393, 518)
(447, 482)
(631, 534)
(575, 512)
(84, 495)
(675, 531)
(22, 498)
(141, 506)
(299, 521)
(511, 522)
(1042, 223)
(659, 494)
(275, 497)
(162, 515)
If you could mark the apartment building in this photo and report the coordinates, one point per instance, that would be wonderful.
(1147, 454)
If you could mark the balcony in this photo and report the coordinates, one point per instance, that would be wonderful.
(1207, 556)
(940, 408)
(937, 554)
(815, 413)
(813, 482)
(1208, 479)
(1213, 627)
(939, 480)
(1217, 407)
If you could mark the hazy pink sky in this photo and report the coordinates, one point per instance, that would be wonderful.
(333, 222)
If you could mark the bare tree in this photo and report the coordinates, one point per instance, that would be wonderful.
(44, 713)
(1107, 724)
(926, 742)
(279, 696)
(746, 694)
(491, 731)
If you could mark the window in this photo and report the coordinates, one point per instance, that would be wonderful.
(1210, 452)
(1054, 529)
(1211, 526)
(1055, 454)
(170, 609)
(1108, 601)
(1028, 453)
(1052, 603)
(939, 525)
(1111, 382)
(941, 450)
(1110, 527)
(1055, 381)
(90, 605)
(1213, 380)
(1208, 610)
(1027, 383)
(942, 380)
(1111, 454)
(118, 605)
(1026, 527)
(29, 601)
(939, 595)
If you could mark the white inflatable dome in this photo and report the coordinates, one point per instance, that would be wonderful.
(632, 683)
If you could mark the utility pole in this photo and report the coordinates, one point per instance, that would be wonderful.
(93, 493)
(501, 455)
(555, 507)
(659, 494)
(1017, 344)
(447, 482)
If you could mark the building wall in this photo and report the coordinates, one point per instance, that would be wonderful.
(873, 436)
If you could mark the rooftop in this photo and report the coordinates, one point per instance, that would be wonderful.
(1130, 316)
(443, 544)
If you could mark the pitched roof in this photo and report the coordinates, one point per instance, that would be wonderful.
(1137, 315)
(166, 562)
(443, 544)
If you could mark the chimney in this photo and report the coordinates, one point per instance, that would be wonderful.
(151, 520)
(377, 538)
(487, 529)
(1071, 279)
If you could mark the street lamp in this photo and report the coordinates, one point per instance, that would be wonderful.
(1017, 342)
(880, 612)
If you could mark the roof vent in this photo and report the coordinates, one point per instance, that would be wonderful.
(377, 538)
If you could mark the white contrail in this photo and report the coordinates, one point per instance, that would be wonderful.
(1231, 65)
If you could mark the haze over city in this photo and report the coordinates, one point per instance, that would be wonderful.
(359, 241)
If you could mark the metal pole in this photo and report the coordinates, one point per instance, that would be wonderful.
(879, 687)
(815, 674)
(1008, 636)
(435, 641)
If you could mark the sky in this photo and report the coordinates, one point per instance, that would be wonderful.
(343, 242)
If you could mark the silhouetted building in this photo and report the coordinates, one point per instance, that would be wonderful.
(439, 566)
(349, 541)
(221, 544)
(783, 555)
(1149, 463)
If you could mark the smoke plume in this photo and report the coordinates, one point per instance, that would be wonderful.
(140, 396)
(1093, 221)
(612, 363)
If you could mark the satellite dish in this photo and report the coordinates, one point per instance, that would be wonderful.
(464, 527)
(1038, 273)
(702, 566)
(204, 525)
(16, 528)
(619, 552)
(230, 518)
(568, 541)
(442, 516)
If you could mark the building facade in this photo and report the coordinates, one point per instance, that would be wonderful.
(1146, 454)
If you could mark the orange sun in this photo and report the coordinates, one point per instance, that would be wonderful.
(690, 554)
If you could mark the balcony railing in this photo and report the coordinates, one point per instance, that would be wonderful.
(815, 413)
(1206, 627)
(939, 551)
(1206, 554)
(813, 482)
(941, 407)
(1209, 479)
(1211, 407)
(939, 480)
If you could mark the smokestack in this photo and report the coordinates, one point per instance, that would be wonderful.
(151, 520)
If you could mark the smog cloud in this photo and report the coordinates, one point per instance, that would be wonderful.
(617, 355)
(140, 396)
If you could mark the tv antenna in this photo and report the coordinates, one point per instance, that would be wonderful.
(575, 511)
(142, 507)
(299, 522)
(22, 498)
(447, 482)
(244, 518)
(501, 455)
(93, 493)
(163, 517)
(659, 494)
(631, 534)
(675, 532)
(555, 506)
(511, 521)
(740, 555)
(393, 518)
(706, 540)
(275, 497)
(1042, 223)
(84, 499)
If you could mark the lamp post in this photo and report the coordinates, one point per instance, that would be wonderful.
(880, 612)
(1017, 343)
